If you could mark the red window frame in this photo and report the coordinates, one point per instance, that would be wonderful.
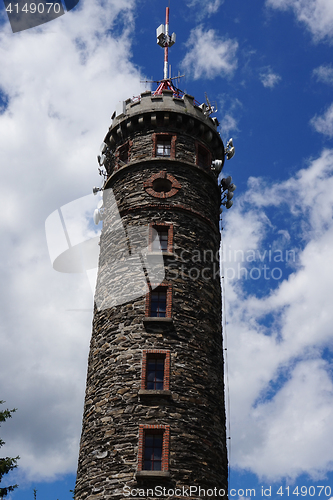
(168, 290)
(164, 431)
(159, 227)
(164, 137)
(156, 354)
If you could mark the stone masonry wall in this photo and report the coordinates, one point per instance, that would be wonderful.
(193, 410)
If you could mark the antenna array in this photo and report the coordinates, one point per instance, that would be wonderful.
(165, 40)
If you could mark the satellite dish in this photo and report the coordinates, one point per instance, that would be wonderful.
(103, 147)
(225, 182)
(101, 159)
(230, 143)
(229, 203)
(96, 216)
(232, 187)
(100, 204)
(230, 153)
(217, 164)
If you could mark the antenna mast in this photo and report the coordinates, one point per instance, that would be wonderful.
(166, 48)
(165, 41)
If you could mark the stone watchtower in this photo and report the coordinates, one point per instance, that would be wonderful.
(154, 414)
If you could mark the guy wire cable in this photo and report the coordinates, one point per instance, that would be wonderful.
(225, 349)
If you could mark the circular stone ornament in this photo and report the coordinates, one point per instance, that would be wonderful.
(162, 185)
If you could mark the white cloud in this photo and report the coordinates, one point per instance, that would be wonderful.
(62, 82)
(324, 123)
(268, 78)
(229, 112)
(324, 73)
(229, 124)
(210, 55)
(281, 388)
(213, 6)
(296, 424)
(317, 15)
(208, 7)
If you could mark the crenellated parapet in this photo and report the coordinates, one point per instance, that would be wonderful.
(136, 123)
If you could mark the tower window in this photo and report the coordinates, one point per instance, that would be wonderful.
(123, 153)
(162, 240)
(155, 370)
(163, 147)
(153, 453)
(203, 157)
(155, 373)
(158, 303)
(160, 237)
(153, 448)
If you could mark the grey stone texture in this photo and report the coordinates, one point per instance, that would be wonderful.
(194, 407)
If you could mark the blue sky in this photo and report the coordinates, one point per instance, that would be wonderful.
(268, 66)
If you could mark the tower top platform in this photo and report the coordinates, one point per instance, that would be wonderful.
(165, 110)
(166, 101)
